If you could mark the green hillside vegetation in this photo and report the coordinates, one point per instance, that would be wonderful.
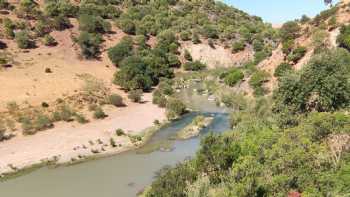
(295, 141)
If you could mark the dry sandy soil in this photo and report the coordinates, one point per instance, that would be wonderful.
(67, 141)
(28, 82)
(217, 57)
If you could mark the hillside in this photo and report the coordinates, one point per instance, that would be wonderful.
(72, 66)
(293, 139)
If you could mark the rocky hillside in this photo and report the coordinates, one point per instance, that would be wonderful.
(73, 57)
(295, 140)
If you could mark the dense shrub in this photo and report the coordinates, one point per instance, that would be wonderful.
(89, 44)
(120, 51)
(60, 7)
(23, 40)
(60, 23)
(116, 100)
(48, 40)
(238, 46)
(188, 56)
(261, 55)
(343, 38)
(210, 31)
(258, 45)
(93, 24)
(119, 132)
(135, 96)
(322, 85)
(289, 30)
(282, 69)
(324, 15)
(133, 74)
(257, 80)
(287, 46)
(27, 9)
(163, 91)
(185, 35)
(195, 38)
(233, 77)
(173, 60)
(9, 27)
(99, 113)
(127, 25)
(175, 108)
(63, 113)
(194, 66)
(297, 54)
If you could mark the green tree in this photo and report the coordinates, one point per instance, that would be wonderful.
(322, 85)
(89, 44)
(133, 74)
(121, 50)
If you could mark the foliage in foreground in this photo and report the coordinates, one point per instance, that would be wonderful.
(259, 158)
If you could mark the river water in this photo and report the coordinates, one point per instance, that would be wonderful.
(122, 175)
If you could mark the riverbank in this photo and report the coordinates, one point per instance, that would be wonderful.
(70, 143)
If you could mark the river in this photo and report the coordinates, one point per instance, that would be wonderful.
(122, 175)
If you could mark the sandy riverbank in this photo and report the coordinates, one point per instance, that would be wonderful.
(69, 142)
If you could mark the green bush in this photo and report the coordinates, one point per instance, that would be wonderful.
(60, 7)
(42, 28)
(135, 96)
(121, 50)
(175, 108)
(133, 74)
(210, 31)
(127, 25)
(27, 126)
(258, 45)
(257, 80)
(287, 46)
(187, 55)
(322, 85)
(99, 113)
(261, 55)
(233, 77)
(120, 132)
(185, 35)
(116, 100)
(297, 54)
(238, 46)
(89, 44)
(64, 113)
(60, 23)
(194, 66)
(81, 118)
(290, 30)
(93, 24)
(343, 38)
(9, 28)
(173, 60)
(282, 69)
(23, 40)
(49, 40)
(195, 38)
(42, 122)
